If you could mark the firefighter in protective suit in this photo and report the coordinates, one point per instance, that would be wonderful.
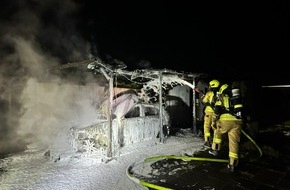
(228, 119)
(209, 100)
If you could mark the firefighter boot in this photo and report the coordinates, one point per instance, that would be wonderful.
(232, 165)
(213, 152)
(214, 149)
(231, 168)
(207, 145)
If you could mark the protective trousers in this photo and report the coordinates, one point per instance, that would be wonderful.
(207, 125)
(233, 128)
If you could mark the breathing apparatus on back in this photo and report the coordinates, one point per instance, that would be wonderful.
(236, 101)
(235, 105)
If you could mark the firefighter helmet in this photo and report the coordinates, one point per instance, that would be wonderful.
(223, 88)
(214, 83)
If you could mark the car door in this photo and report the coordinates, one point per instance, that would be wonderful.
(133, 125)
(151, 122)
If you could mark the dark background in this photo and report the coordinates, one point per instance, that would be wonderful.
(231, 40)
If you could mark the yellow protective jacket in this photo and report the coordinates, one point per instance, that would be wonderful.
(209, 101)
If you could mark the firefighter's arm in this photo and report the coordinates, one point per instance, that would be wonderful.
(205, 99)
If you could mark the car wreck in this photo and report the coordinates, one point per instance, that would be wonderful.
(133, 120)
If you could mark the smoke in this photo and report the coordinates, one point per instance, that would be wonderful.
(34, 36)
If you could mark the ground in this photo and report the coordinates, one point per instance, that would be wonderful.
(155, 165)
(264, 164)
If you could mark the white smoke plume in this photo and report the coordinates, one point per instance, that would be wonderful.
(36, 35)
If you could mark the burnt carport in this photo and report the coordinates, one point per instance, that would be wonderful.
(153, 85)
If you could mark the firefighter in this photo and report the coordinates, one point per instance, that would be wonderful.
(209, 101)
(227, 118)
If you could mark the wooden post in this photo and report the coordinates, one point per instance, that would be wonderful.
(160, 109)
(110, 144)
(110, 109)
(194, 107)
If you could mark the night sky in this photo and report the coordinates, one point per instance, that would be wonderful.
(233, 40)
(229, 40)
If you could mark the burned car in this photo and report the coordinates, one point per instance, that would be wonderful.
(132, 122)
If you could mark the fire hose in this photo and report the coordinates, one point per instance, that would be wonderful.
(147, 185)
